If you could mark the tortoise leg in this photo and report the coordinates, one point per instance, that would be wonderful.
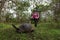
(32, 31)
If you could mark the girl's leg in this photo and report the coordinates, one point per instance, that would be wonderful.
(35, 21)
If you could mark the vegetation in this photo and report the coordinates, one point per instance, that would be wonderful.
(43, 32)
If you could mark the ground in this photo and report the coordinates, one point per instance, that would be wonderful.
(42, 32)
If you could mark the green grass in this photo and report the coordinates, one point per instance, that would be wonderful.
(42, 32)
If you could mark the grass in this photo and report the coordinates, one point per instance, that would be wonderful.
(42, 32)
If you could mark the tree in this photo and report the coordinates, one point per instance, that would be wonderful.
(1, 6)
(56, 10)
(21, 6)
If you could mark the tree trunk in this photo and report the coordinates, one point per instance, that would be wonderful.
(1, 6)
(57, 12)
(57, 15)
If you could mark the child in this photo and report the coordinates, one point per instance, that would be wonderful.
(35, 16)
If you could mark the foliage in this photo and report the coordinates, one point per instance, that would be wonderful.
(42, 8)
(21, 6)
